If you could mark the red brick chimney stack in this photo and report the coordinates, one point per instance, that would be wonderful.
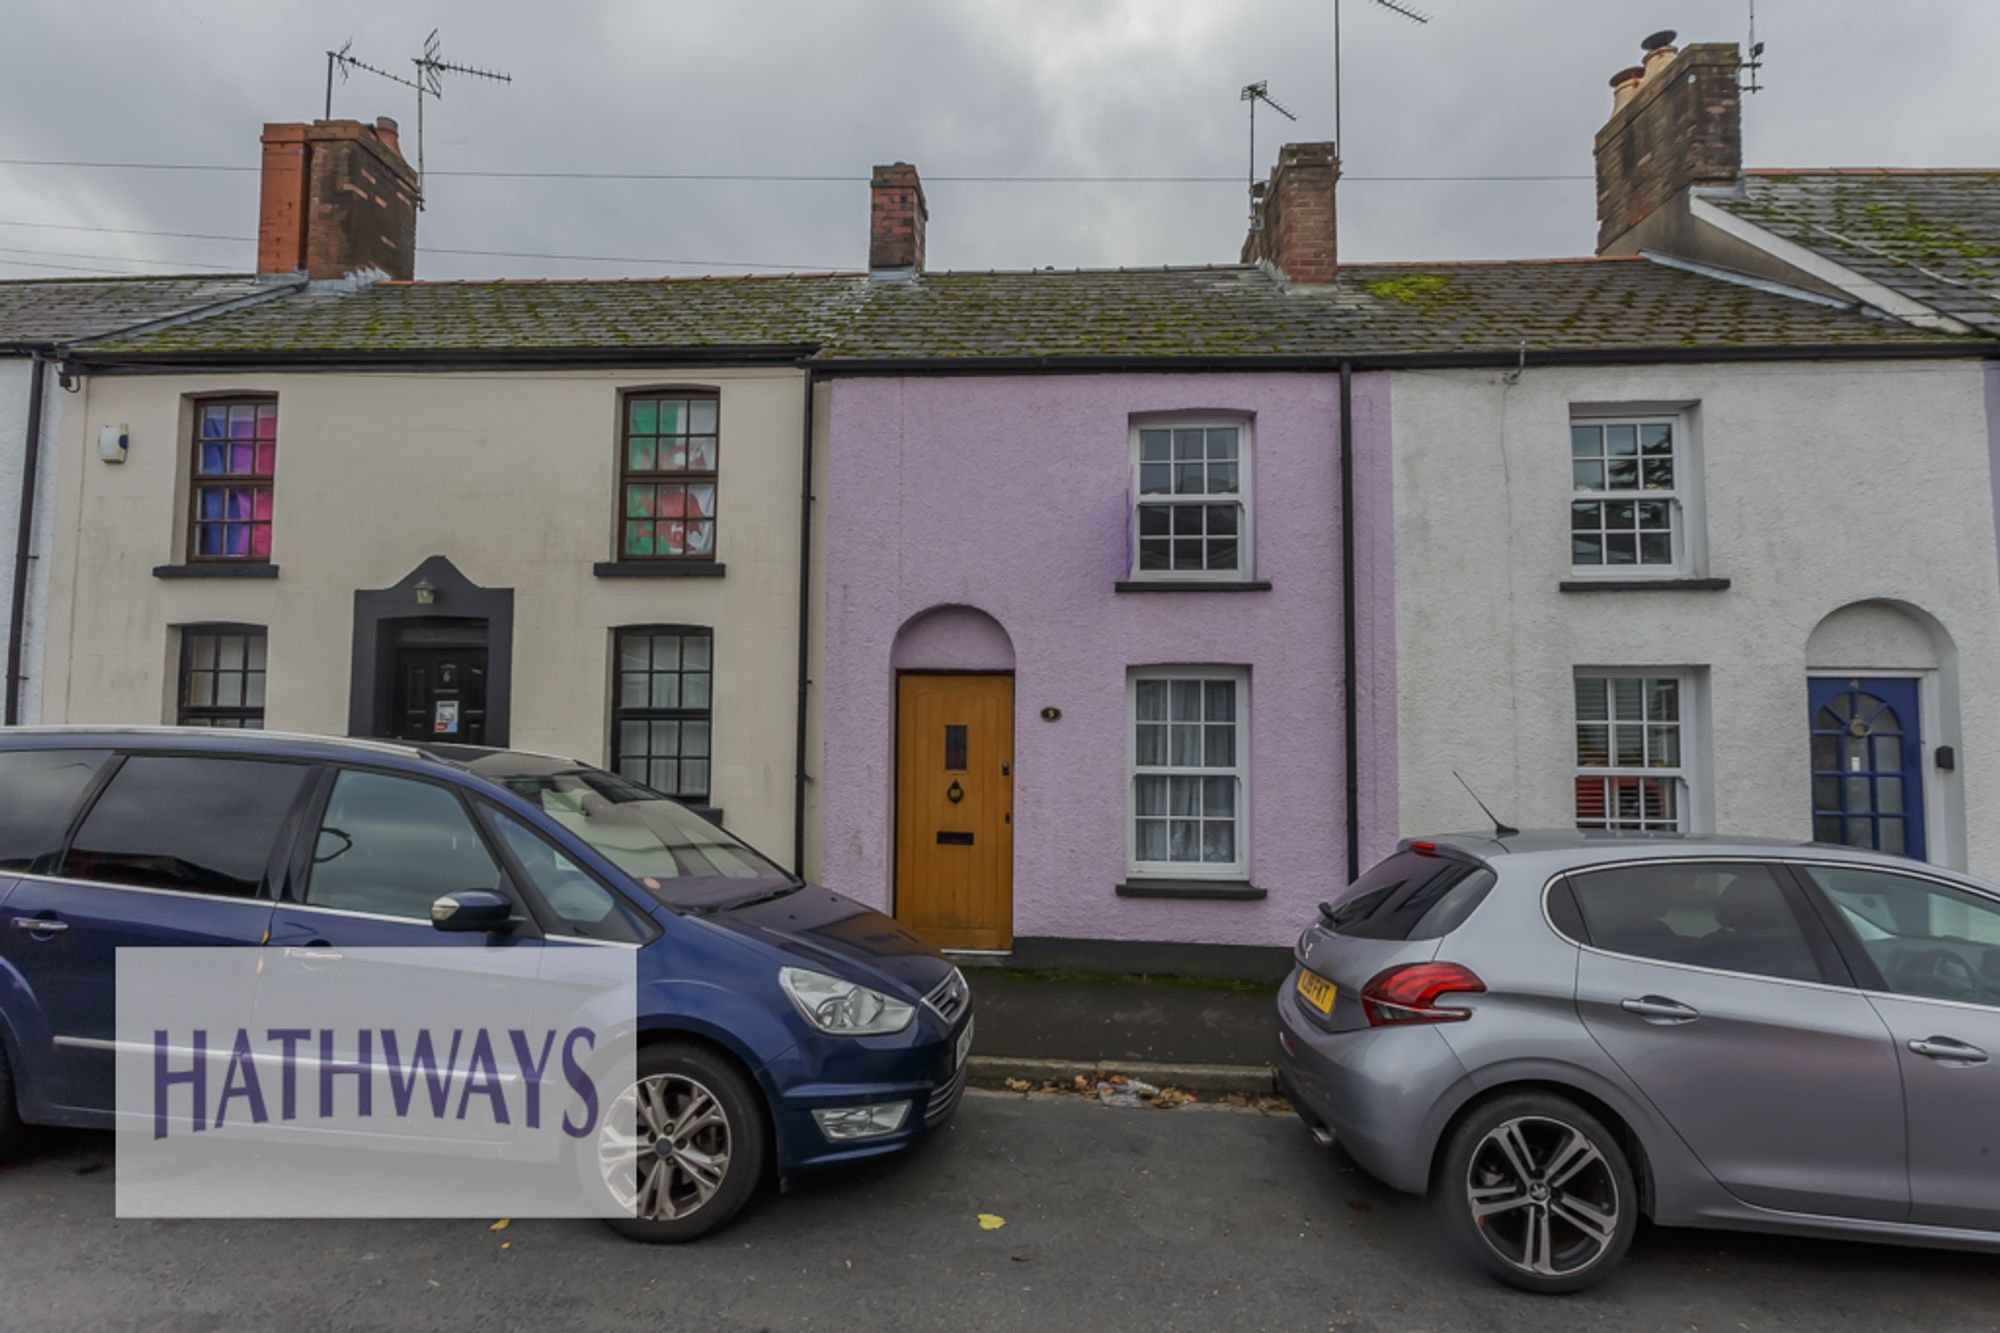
(896, 218)
(1293, 226)
(337, 198)
(1676, 122)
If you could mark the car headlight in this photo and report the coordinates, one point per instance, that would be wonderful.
(833, 1005)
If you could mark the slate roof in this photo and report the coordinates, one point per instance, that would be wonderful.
(64, 310)
(1933, 236)
(1608, 305)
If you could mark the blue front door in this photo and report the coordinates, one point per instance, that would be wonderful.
(1867, 764)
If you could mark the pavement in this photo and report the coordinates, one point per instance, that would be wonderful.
(1164, 1020)
(1191, 1219)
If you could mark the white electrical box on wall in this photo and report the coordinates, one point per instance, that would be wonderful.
(112, 442)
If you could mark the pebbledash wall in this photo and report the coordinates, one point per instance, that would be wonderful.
(1013, 496)
(512, 477)
(1850, 505)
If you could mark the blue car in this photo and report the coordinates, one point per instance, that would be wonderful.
(782, 1027)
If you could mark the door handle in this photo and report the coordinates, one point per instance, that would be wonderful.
(1659, 1009)
(1949, 1050)
(40, 925)
(314, 955)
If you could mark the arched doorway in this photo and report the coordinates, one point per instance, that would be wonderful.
(1882, 703)
(954, 776)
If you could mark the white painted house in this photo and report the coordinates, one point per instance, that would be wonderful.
(39, 319)
(1724, 587)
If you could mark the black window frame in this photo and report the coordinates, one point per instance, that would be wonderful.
(277, 862)
(621, 714)
(221, 717)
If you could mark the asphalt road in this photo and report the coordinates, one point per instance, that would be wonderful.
(1197, 1218)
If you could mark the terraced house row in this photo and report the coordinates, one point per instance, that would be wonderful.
(1114, 615)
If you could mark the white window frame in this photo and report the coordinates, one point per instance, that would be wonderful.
(1237, 870)
(1684, 507)
(1693, 802)
(1246, 547)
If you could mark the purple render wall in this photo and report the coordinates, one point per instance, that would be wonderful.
(1010, 495)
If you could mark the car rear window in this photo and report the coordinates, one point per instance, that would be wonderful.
(1410, 896)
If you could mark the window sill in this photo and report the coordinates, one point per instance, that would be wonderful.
(1191, 585)
(1224, 890)
(636, 569)
(218, 570)
(1643, 585)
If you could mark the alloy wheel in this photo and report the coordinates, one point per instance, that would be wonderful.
(1542, 1196)
(677, 1158)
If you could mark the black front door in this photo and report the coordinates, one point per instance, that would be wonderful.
(440, 695)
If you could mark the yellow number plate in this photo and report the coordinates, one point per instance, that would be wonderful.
(1319, 992)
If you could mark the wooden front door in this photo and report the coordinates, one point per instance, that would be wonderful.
(955, 809)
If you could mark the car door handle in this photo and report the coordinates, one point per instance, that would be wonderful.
(318, 955)
(40, 925)
(1659, 1009)
(1948, 1049)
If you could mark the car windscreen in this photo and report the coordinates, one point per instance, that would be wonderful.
(667, 849)
(1409, 896)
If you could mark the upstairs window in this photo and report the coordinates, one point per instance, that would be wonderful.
(222, 677)
(667, 477)
(1191, 481)
(235, 458)
(1628, 502)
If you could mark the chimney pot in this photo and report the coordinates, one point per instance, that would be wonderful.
(1625, 86)
(389, 133)
(1292, 222)
(1677, 127)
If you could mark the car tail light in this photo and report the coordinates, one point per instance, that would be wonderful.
(1410, 994)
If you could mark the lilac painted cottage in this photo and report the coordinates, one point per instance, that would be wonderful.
(1083, 653)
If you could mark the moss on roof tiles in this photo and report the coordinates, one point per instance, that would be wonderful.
(1933, 236)
(62, 310)
(1221, 311)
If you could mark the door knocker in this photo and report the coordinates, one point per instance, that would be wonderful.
(954, 793)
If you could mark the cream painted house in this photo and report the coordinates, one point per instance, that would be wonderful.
(564, 517)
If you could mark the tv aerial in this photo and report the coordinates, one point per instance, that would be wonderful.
(1753, 59)
(427, 81)
(1253, 93)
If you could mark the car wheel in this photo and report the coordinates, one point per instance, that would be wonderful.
(700, 1149)
(1539, 1192)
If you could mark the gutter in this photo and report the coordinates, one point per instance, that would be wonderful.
(1508, 359)
(1350, 691)
(17, 613)
(502, 358)
(805, 620)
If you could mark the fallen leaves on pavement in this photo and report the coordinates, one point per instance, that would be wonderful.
(991, 1221)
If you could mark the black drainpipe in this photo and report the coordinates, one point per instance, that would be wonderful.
(805, 623)
(17, 615)
(1350, 689)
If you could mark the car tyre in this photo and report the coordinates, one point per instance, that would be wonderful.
(1538, 1192)
(709, 1113)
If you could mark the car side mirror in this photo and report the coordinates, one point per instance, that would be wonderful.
(473, 910)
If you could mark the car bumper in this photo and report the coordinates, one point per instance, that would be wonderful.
(828, 1072)
(1378, 1090)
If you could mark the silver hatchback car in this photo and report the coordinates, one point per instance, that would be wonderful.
(1555, 1033)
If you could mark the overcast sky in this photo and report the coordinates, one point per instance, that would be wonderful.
(959, 87)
